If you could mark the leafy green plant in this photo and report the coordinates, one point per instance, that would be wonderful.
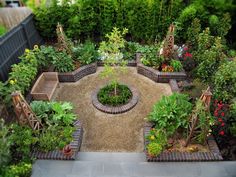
(54, 113)
(5, 144)
(177, 65)
(54, 137)
(171, 113)
(22, 169)
(107, 96)
(154, 149)
(23, 139)
(85, 53)
(3, 30)
(224, 81)
(63, 62)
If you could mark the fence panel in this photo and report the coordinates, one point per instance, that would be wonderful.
(13, 44)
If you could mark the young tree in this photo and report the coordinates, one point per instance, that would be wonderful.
(114, 64)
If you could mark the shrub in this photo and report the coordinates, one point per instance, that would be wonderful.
(154, 149)
(177, 65)
(21, 169)
(63, 62)
(171, 112)
(224, 82)
(107, 96)
(85, 53)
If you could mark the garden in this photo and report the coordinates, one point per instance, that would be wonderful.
(156, 76)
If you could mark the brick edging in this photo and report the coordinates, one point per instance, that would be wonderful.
(131, 63)
(78, 74)
(213, 155)
(158, 76)
(116, 109)
(57, 154)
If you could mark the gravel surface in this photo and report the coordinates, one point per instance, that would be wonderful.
(106, 132)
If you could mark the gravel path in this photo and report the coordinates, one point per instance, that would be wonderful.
(106, 132)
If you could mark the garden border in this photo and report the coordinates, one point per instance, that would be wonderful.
(57, 154)
(78, 73)
(131, 63)
(158, 76)
(118, 109)
(213, 155)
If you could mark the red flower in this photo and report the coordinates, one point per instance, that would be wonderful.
(185, 48)
(220, 120)
(187, 54)
(222, 124)
(222, 114)
(221, 132)
(220, 106)
(215, 113)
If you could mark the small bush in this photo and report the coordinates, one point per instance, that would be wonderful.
(171, 112)
(3, 30)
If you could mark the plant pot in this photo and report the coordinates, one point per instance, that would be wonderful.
(67, 150)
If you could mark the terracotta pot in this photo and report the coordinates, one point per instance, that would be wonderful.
(67, 150)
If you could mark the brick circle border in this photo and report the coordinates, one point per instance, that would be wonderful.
(116, 109)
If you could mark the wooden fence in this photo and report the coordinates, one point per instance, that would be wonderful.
(13, 44)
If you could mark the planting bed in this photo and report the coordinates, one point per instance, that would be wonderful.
(212, 155)
(57, 154)
(116, 109)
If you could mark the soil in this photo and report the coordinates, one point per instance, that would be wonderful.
(107, 132)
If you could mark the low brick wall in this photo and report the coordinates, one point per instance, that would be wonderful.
(116, 109)
(213, 155)
(157, 76)
(57, 154)
(131, 63)
(78, 74)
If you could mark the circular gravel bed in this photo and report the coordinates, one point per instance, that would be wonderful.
(112, 132)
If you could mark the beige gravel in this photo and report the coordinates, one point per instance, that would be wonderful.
(106, 132)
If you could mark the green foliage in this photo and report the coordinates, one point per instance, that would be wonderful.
(22, 169)
(107, 96)
(209, 59)
(232, 129)
(205, 122)
(177, 65)
(85, 53)
(225, 81)
(149, 56)
(193, 32)
(63, 62)
(54, 113)
(5, 144)
(110, 52)
(23, 139)
(55, 137)
(130, 50)
(154, 149)
(171, 112)
(3, 30)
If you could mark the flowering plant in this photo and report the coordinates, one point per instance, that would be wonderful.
(186, 58)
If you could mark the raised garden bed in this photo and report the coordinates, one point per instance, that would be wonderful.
(78, 74)
(45, 86)
(116, 109)
(131, 63)
(158, 76)
(57, 154)
(212, 155)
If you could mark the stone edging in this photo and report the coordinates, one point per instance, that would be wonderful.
(78, 74)
(117, 109)
(158, 76)
(57, 154)
(213, 155)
